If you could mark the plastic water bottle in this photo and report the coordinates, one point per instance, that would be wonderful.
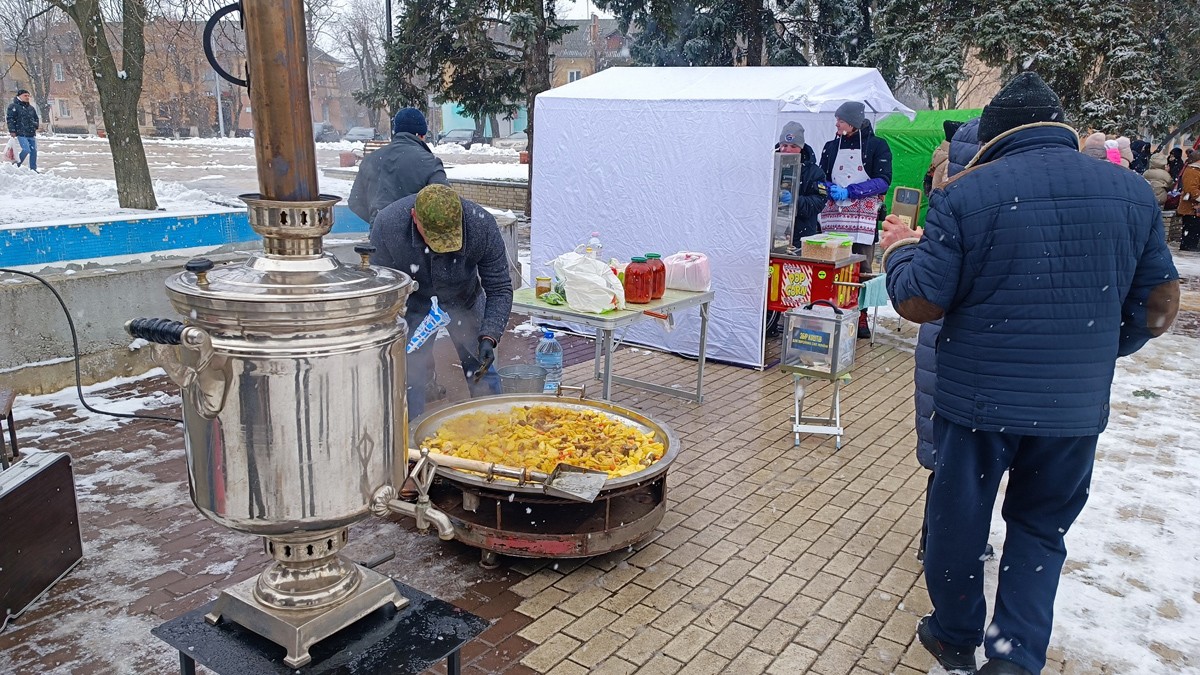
(550, 357)
(595, 247)
(592, 248)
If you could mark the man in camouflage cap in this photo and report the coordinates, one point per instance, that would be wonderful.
(453, 249)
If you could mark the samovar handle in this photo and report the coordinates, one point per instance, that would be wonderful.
(186, 354)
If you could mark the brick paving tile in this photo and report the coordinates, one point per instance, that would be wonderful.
(707, 663)
(627, 597)
(597, 648)
(837, 659)
(580, 603)
(794, 659)
(546, 626)
(750, 662)
(568, 668)
(645, 644)
(687, 643)
(774, 637)
(614, 666)
(591, 623)
(543, 602)
(546, 655)
(634, 620)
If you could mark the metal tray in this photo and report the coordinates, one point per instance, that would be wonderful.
(428, 425)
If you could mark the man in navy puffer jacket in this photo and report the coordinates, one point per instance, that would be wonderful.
(964, 144)
(1046, 266)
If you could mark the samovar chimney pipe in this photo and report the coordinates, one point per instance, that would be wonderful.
(277, 45)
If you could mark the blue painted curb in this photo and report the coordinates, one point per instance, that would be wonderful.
(84, 240)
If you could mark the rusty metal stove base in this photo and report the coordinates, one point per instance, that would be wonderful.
(528, 526)
(297, 630)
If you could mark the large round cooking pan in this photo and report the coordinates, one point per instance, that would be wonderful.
(427, 426)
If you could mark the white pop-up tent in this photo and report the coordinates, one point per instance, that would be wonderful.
(669, 159)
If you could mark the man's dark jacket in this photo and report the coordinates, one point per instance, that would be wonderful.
(877, 161)
(963, 147)
(809, 201)
(22, 118)
(460, 280)
(397, 170)
(1047, 265)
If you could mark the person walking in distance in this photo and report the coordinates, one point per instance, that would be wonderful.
(1045, 266)
(23, 122)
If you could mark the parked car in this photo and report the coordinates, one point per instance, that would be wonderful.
(518, 141)
(323, 132)
(361, 134)
(463, 137)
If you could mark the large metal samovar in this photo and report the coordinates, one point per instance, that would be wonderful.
(291, 366)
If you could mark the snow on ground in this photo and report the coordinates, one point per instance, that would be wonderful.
(509, 172)
(478, 150)
(27, 198)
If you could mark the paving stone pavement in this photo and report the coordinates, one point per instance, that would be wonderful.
(772, 558)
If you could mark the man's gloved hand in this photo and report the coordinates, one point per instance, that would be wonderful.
(487, 353)
(838, 193)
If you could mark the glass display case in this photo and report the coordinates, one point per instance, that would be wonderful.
(786, 182)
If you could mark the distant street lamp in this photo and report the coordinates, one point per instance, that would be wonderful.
(387, 12)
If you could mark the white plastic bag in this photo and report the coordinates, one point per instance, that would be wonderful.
(590, 284)
(688, 271)
(12, 150)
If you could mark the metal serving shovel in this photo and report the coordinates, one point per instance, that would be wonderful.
(565, 481)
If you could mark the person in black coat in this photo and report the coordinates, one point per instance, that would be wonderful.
(397, 170)
(23, 122)
(809, 198)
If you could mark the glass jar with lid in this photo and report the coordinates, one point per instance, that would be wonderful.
(639, 282)
(659, 269)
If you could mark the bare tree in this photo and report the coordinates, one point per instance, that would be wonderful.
(360, 31)
(119, 86)
(28, 27)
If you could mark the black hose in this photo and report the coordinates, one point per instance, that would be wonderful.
(75, 347)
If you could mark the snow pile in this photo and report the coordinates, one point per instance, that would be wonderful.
(27, 198)
(478, 150)
(490, 171)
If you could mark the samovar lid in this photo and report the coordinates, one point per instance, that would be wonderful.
(263, 278)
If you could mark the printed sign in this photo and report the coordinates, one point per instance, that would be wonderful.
(808, 340)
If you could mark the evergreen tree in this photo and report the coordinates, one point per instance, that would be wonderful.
(924, 42)
(704, 32)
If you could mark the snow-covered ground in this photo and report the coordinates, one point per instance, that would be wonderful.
(27, 198)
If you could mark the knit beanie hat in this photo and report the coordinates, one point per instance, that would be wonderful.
(1024, 100)
(950, 127)
(792, 133)
(853, 113)
(21, 92)
(409, 120)
(440, 211)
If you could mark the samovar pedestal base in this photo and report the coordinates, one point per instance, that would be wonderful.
(297, 630)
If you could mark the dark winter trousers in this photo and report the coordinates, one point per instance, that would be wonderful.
(464, 333)
(1191, 234)
(1047, 488)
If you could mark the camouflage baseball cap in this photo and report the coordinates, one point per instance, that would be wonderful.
(439, 210)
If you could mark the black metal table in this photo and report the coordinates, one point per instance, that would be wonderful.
(410, 641)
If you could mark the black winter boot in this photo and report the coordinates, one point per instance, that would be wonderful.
(955, 659)
(864, 328)
(1002, 667)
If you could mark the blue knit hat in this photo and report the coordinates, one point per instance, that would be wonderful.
(409, 120)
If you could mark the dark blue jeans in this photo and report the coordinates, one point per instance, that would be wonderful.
(1047, 488)
(464, 333)
(28, 149)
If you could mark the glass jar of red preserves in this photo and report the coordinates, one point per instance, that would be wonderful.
(639, 282)
(655, 262)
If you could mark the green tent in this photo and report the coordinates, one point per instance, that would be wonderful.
(913, 143)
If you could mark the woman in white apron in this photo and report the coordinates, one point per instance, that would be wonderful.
(859, 166)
